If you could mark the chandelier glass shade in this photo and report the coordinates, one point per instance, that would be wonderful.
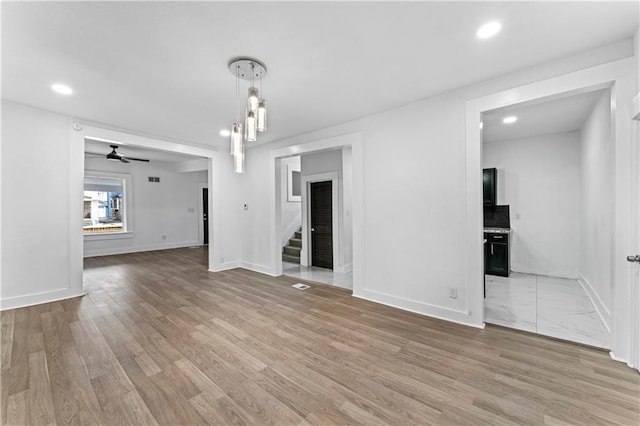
(255, 114)
(261, 119)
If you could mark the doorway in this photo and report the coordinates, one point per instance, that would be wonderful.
(321, 221)
(205, 216)
(334, 159)
(548, 225)
(617, 76)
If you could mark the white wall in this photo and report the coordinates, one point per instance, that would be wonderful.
(414, 193)
(596, 205)
(164, 214)
(414, 196)
(36, 264)
(291, 210)
(636, 52)
(539, 178)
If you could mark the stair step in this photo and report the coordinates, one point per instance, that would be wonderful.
(298, 235)
(291, 259)
(293, 251)
(295, 242)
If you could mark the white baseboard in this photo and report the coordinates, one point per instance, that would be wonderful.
(344, 268)
(137, 249)
(434, 311)
(544, 273)
(226, 266)
(257, 268)
(38, 298)
(601, 309)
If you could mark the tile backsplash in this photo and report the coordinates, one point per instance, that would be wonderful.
(496, 217)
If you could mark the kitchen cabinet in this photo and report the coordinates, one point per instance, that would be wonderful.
(489, 184)
(497, 254)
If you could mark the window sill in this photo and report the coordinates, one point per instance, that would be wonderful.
(100, 236)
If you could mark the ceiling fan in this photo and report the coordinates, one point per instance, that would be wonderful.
(113, 155)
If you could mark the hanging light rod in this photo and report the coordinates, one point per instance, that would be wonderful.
(247, 68)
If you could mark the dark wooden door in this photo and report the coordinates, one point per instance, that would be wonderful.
(321, 225)
(205, 214)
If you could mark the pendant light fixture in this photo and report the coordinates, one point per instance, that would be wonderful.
(255, 114)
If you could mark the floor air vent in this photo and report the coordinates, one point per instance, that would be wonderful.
(300, 286)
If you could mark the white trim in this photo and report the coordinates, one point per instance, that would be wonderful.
(202, 186)
(38, 298)
(601, 309)
(137, 249)
(101, 236)
(429, 310)
(619, 76)
(256, 268)
(127, 196)
(305, 253)
(354, 140)
(225, 266)
(344, 268)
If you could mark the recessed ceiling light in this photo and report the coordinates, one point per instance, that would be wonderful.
(510, 119)
(225, 133)
(62, 89)
(489, 29)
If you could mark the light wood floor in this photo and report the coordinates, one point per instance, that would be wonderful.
(159, 340)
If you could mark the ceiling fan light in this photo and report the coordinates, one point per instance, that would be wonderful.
(253, 99)
(262, 116)
(250, 132)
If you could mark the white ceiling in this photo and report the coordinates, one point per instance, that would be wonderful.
(99, 149)
(536, 118)
(160, 68)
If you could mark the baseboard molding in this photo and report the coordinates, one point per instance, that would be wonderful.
(434, 311)
(344, 268)
(226, 266)
(543, 273)
(137, 249)
(257, 268)
(601, 309)
(38, 298)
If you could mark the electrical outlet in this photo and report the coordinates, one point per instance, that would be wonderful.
(518, 216)
(453, 293)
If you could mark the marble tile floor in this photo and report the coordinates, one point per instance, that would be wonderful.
(322, 275)
(555, 307)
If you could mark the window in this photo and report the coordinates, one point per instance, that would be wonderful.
(104, 205)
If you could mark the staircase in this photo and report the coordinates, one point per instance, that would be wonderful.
(291, 252)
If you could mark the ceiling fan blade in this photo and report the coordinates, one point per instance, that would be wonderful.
(136, 159)
(124, 160)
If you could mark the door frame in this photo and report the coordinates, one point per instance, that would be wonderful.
(634, 247)
(202, 186)
(353, 140)
(619, 76)
(78, 133)
(305, 253)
